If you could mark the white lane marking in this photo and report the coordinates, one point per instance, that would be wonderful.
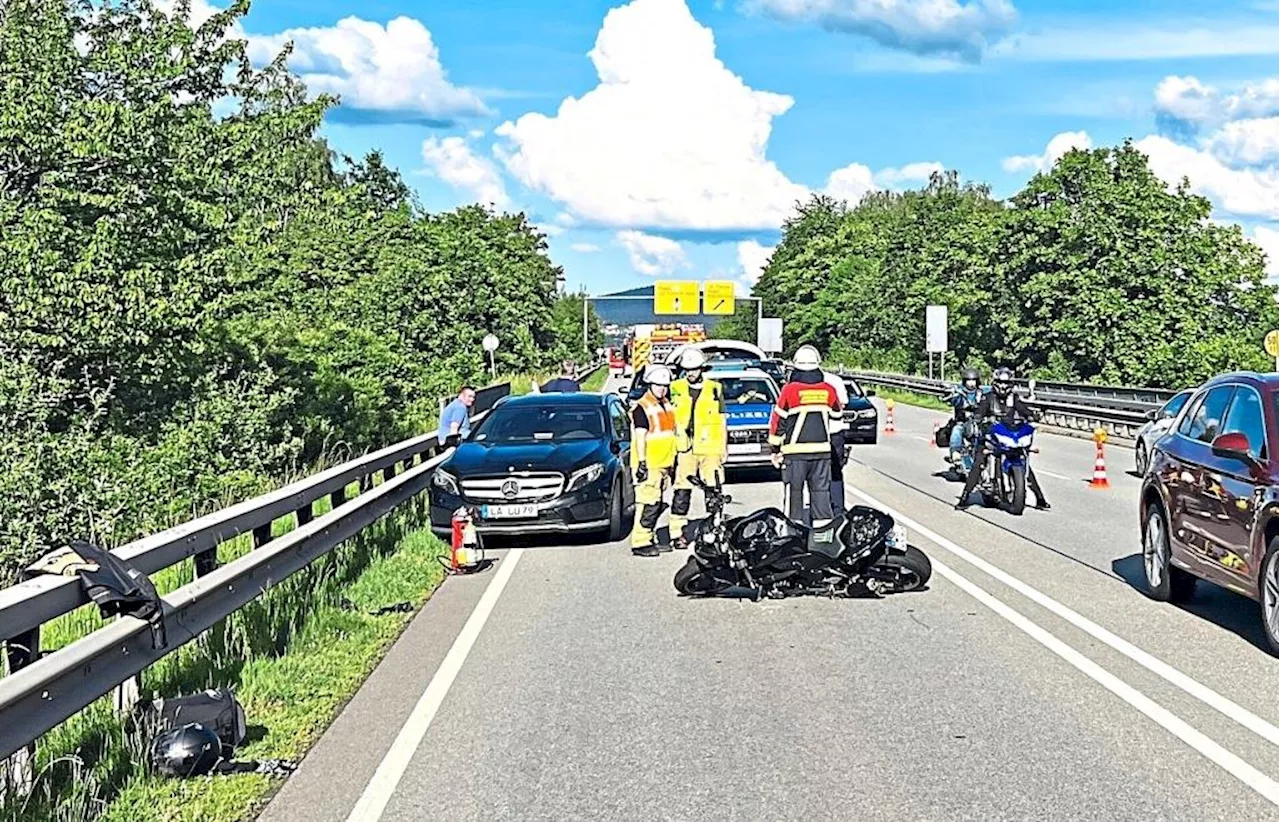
(387, 777)
(1051, 474)
(1220, 756)
(1167, 672)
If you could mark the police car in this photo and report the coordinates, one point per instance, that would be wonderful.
(749, 397)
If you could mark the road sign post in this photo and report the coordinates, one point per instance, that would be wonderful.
(769, 335)
(490, 344)
(1272, 343)
(935, 333)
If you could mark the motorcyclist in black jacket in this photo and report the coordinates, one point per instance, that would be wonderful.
(1005, 405)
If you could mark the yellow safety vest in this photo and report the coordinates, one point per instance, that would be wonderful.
(710, 428)
(660, 440)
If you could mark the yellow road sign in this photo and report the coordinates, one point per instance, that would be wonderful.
(717, 297)
(676, 297)
(1272, 343)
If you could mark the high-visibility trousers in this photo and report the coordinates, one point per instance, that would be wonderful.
(708, 469)
(649, 506)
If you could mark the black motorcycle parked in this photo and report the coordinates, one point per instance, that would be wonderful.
(765, 554)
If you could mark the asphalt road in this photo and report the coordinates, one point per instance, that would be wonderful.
(1031, 680)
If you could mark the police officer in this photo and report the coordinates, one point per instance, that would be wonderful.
(800, 437)
(702, 436)
(653, 458)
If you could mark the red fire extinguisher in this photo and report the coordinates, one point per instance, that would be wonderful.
(465, 551)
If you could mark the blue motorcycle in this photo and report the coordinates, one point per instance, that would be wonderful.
(1004, 477)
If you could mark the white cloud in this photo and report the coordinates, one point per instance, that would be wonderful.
(1198, 105)
(1239, 192)
(393, 70)
(852, 182)
(452, 160)
(1186, 98)
(933, 27)
(585, 248)
(669, 138)
(1269, 239)
(1252, 142)
(1059, 145)
(652, 255)
(752, 258)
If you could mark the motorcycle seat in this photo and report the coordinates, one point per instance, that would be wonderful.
(826, 540)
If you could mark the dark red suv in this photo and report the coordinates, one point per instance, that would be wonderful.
(1209, 498)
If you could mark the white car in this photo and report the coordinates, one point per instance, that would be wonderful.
(1158, 422)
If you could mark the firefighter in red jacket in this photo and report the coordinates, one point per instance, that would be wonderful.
(800, 437)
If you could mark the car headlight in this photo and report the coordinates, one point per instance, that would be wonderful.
(866, 413)
(443, 479)
(584, 477)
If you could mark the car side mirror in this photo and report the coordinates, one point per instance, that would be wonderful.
(615, 447)
(1234, 445)
(1152, 415)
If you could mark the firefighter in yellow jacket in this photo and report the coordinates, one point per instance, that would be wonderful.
(702, 435)
(653, 457)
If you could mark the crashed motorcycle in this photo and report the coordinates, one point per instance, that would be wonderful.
(766, 555)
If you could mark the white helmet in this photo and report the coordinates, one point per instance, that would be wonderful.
(657, 375)
(807, 358)
(692, 358)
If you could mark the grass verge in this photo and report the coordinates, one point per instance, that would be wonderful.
(596, 381)
(294, 656)
(911, 398)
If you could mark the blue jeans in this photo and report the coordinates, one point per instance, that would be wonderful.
(957, 437)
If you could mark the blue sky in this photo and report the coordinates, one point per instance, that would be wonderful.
(668, 138)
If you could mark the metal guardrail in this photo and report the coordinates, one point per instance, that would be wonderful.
(1119, 411)
(42, 691)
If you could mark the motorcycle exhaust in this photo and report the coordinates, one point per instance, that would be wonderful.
(740, 592)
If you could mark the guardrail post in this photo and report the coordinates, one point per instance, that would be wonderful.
(306, 513)
(366, 482)
(18, 772)
(389, 472)
(262, 535)
(337, 497)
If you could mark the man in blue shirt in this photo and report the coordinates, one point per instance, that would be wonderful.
(565, 383)
(455, 420)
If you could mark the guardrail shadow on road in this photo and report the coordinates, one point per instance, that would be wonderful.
(1225, 609)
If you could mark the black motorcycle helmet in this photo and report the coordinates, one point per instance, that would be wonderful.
(970, 379)
(1002, 381)
(192, 750)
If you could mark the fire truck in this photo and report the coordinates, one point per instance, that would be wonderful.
(652, 343)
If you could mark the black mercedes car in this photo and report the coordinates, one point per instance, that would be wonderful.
(541, 463)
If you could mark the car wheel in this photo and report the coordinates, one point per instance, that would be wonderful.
(615, 512)
(1269, 588)
(1141, 459)
(1165, 583)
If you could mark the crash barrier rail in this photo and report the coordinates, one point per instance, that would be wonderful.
(1119, 411)
(583, 375)
(485, 397)
(42, 691)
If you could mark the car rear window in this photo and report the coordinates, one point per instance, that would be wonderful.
(1203, 421)
(1173, 406)
(1245, 416)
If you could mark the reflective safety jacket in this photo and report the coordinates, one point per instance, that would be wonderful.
(660, 435)
(710, 427)
(802, 418)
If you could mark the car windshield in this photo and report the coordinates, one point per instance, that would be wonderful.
(854, 389)
(548, 423)
(744, 390)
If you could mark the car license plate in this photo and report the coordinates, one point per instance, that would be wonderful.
(744, 448)
(526, 511)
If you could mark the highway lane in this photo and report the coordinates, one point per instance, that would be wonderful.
(593, 692)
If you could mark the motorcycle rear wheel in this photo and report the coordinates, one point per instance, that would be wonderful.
(691, 580)
(913, 567)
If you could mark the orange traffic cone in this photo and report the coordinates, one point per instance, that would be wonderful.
(1100, 462)
(933, 441)
(889, 427)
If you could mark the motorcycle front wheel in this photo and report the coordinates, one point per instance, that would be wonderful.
(1016, 499)
(694, 581)
(913, 567)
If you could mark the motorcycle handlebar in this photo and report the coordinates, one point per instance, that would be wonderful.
(697, 482)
